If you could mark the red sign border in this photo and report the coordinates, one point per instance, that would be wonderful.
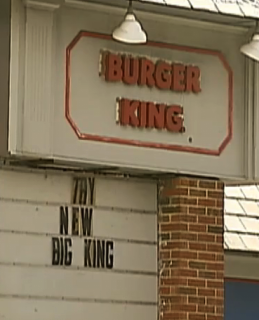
(115, 140)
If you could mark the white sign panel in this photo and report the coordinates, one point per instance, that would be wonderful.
(163, 101)
(170, 105)
(90, 242)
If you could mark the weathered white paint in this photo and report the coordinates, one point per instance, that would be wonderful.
(30, 287)
(137, 257)
(77, 284)
(56, 188)
(31, 309)
(39, 81)
(43, 219)
(255, 96)
(17, 57)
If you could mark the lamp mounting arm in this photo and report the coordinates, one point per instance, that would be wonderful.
(130, 7)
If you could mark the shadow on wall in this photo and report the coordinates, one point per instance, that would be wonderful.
(241, 300)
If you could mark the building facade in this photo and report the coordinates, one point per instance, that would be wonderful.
(114, 160)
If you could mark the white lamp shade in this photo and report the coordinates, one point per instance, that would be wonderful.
(251, 49)
(130, 31)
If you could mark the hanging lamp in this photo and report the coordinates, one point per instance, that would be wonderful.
(130, 30)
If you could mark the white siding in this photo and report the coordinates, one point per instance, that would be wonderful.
(19, 248)
(31, 288)
(76, 284)
(44, 219)
(31, 309)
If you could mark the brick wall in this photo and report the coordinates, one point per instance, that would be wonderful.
(191, 256)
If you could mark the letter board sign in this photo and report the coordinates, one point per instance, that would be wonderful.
(91, 257)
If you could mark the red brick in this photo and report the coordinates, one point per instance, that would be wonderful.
(174, 209)
(197, 265)
(207, 184)
(186, 182)
(167, 282)
(165, 290)
(176, 235)
(206, 309)
(197, 210)
(174, 315)
(206, 237)
(184, 200)
(189, 218)
(214, 317)
(216, 284)
(184, 254)
(220, 221)
(220, 257)
(220, 185)
(187, 236)
(178, 264)
(197, 316)
(220, 238)
(196, 300)
(178, 299)
(214, 247)
(207, 292)
(165, 273)
(176, 192)
(175, 244)
(206, 219)
(214, 212)
(184, 236)
(217, 194)
(215, 302)
(187, 290)
(163, 201)
(188, 273)
(218, 230)
(207, 274)
(183, 218)
(191, 227)
(206, 256)
(206, 202)
(220, 275)
(164, 254)
(174, 226)
(215, 266)
(220, 293)
(197, 227)
(164, 218)
(196, 283)
(165, 236)
(185, 307)
(220, 203)
(219, 310)
(176, 281)
(197, 246)
(197, 193)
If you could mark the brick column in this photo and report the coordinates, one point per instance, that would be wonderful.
(191, 255)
